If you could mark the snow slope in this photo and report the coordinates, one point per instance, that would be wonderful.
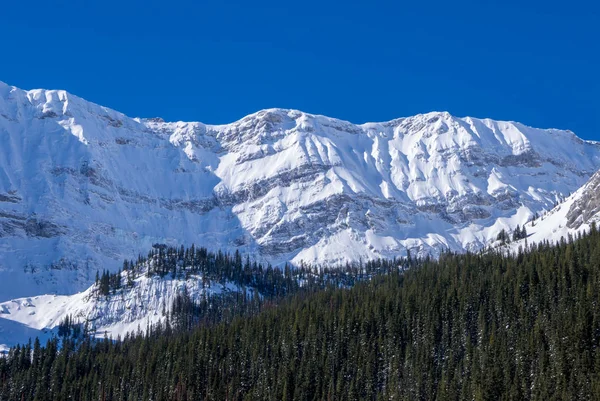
(82, 187)
(130, 310)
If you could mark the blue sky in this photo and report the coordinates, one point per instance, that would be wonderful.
(216, 61)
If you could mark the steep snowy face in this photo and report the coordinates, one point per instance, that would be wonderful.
(322, 190)
(82, 187)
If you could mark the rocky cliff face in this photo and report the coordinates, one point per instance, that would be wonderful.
(83, 187)
(586, 206)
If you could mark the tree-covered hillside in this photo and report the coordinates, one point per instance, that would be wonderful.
(466, 327)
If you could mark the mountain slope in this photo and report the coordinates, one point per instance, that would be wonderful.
(576, 214)
(83, 187)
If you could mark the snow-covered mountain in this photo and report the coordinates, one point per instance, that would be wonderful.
(82, 187)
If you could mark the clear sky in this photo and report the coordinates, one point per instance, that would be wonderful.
(215, 61)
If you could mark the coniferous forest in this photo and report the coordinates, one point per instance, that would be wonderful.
(465, 327)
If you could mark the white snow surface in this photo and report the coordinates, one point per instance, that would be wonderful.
(83, 187)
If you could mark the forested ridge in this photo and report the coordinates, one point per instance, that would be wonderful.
(466, 327)
(224, 267)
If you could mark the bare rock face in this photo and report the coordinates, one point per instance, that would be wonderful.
(84, 186)
(587, 205)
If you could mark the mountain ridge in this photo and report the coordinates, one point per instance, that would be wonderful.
(160, 119)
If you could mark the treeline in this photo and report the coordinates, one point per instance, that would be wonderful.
(466, 327)
(222, 267)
